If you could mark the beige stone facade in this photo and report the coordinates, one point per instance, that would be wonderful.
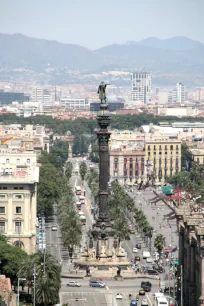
(137, 156)
(19, 174)
(191, 254)
(164, 155)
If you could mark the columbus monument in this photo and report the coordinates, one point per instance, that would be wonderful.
(104, 256)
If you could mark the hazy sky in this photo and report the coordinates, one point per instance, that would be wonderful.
(96, 23)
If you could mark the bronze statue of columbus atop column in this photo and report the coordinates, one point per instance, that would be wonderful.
(103, 227)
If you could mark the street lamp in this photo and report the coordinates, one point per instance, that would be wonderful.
(19, 279)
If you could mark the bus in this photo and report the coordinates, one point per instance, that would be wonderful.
(160, 299)
(78, 205)
(82, 219)
(78, 190)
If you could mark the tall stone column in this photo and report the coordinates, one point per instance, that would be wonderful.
(27, 214)
(103, 227)
(70, 150)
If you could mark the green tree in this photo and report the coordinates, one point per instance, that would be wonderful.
(49, 189)
(121, 227)
(46, 293)
(68, 170)
(11, 258)
(4, 238)
(159, 243)
(83, 170)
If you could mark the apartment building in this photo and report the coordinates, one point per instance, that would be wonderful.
(141, 87)
(139, 156)
(164, 154)
(19, 175)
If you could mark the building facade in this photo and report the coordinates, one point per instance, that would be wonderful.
(19, 175)
(141, 87)
(74, 103)
(164, 154)
(41, 95)
(177, 95)
(9, 97)
(191, 254)
(136, 157)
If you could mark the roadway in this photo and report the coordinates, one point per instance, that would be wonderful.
(104, 296)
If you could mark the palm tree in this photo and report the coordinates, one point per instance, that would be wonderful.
(68, 170)
(45, 292)
(159, 243)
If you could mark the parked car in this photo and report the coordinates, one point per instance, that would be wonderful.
(97, 284)
(119, 296)
(74, 284)
(138, 245)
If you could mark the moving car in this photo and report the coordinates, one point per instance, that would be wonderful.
(133, 303)
(141, 292)
(144, 302)
(138, 246)
(149, 260)
(146, 254)
(146, 284)
(119, 296)
(137, 258)
(54, 228)
(98, 284)
(73, 284)
(135, 250)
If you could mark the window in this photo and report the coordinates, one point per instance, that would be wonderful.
(160, 147)
(148, 148)
(177, 147)
(166, 147)
(7, 161)
(115, 160)
(18, 161)
(28, 161)
(154, 147)
(18, 210)
(130, 160)
(5, 188)
(125, 160)
(18, 227)
(2, 227)
(2, 210)
(2, 196)
(18, 196)
(171, 147)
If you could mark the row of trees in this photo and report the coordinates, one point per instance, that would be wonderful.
(42, 266)
(69, 221)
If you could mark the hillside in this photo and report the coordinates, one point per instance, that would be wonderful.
(178, 54)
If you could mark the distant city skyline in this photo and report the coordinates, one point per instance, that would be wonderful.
(94, 24)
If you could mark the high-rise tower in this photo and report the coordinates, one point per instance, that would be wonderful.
(141, 87)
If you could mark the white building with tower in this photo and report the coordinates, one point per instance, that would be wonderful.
(141, 87)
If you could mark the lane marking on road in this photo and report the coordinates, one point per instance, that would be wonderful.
(149, 299)
(107, 288)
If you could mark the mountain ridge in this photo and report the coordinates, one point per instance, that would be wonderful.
(20, 51)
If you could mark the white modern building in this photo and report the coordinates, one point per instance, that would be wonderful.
(74, 103)
(41, 95)
(177, 95)
(141, 87)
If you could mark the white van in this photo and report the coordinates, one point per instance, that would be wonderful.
(146, 254)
